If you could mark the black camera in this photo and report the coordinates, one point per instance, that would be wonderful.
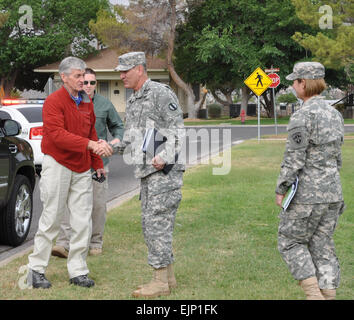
(99, 179)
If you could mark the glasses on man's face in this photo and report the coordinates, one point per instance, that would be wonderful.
(92, 83)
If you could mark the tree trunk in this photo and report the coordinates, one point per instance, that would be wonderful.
(192, 107)
(245, 97)
(221, 101)
(8, 83)
(268, 106)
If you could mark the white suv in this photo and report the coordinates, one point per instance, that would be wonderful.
(29, 114)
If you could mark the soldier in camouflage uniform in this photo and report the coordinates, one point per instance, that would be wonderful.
(154, 105)
(313, 154)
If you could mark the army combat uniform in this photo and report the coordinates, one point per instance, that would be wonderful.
(313, 153)
(155, 105)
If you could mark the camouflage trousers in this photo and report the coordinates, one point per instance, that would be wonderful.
(305, 242)
(159, 207)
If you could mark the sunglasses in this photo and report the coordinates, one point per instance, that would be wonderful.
(92, 83)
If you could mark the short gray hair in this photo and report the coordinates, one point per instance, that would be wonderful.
(70, 63)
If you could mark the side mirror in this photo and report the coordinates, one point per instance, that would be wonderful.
(11, 128)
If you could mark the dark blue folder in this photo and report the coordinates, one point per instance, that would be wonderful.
(153, 144)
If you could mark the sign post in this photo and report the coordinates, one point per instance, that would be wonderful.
(275, 82)
(258, 82)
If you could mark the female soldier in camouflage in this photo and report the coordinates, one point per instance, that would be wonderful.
(313, 154)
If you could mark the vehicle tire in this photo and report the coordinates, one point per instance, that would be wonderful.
(16, 218)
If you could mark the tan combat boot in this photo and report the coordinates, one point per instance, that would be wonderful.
(157, 287)
(311, 289)
(172, 283)
(329, 294)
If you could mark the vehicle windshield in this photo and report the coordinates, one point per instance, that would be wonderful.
(32, 114)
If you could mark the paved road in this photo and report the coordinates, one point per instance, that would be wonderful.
(121, 177)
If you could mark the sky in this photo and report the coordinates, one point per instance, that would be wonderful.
(125, 2)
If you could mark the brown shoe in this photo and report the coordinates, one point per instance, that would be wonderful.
(172, 283)
(329, 294)
(157, 287)
(60, 252)
(95, 251)
(311, 289)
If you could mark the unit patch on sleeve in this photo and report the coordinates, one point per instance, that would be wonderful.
(172, 106)
(297, 137)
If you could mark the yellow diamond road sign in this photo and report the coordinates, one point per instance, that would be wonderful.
(258, 81)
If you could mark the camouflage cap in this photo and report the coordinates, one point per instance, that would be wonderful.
(130, 60)
(307, 70)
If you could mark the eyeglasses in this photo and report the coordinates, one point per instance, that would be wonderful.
(92, 83)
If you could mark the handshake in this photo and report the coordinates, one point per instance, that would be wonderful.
(117, 147)
(105, 149)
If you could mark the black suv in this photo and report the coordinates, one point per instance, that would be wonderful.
(17, 181)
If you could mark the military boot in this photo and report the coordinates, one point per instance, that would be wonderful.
(157, 287)
(172, 283)
(329, 294)
(311, 289)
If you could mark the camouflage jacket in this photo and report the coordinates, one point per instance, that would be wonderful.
(313, 153)
(154, 106)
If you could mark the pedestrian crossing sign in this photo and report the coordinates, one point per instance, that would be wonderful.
(258, 81)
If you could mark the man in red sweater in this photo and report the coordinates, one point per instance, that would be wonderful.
(71, 147)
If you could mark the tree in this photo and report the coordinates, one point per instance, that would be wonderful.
(108, 30)
(334, 23)
(222, 42)
(41, 32)
(148, 26)
(3, 18)
(287, 98)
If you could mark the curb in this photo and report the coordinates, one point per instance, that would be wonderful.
(19, 254)
(116, 202)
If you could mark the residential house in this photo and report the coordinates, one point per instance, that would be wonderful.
(108, 80)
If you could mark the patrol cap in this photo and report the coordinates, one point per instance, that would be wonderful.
(307, 70)
(130, 60)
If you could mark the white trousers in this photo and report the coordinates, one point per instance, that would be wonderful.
(62, 189)
(99, 210)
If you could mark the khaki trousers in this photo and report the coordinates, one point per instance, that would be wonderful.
(61, 188)
(100, 196)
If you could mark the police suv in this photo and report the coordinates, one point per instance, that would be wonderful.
(17, 182)
(28, 112)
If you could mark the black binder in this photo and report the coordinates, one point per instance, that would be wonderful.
(153, 143)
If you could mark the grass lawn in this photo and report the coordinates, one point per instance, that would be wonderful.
(249, 121)
(225, 239)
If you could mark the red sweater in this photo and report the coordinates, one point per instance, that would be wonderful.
(67, 129)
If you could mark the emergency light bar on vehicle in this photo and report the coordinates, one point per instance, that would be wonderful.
(9, 102)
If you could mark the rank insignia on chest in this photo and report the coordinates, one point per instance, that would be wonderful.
(172, 106)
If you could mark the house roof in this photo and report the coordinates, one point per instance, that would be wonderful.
(107, 60)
